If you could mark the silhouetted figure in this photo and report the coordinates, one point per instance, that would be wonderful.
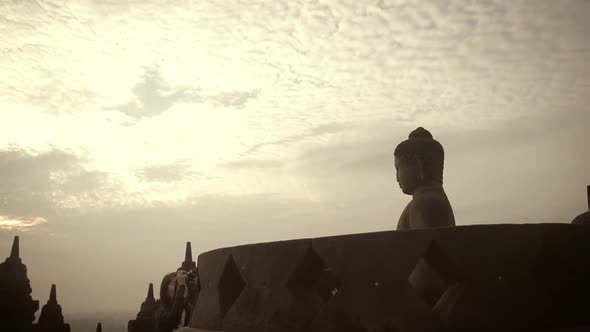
(173, 299)
(193, 284)
(99, 327)
(176, 305)
(584, 218)
(17, 307)
(51, 319)
(419, 162)
(146, 318)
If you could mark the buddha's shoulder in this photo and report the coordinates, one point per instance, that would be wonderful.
(429, 198)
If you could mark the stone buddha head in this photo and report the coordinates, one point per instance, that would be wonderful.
(419, 160)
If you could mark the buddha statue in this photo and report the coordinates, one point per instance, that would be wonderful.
(419, 164)
(584, 218)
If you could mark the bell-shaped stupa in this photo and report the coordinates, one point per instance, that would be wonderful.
(51, 319)
(145, 321)
(17, 307)
(188, 264)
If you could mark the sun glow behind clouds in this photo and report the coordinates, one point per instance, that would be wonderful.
(20, 223)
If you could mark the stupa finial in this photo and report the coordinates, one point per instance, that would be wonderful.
(188, 255)
(14, 252)
(150, 294)
(53, 294)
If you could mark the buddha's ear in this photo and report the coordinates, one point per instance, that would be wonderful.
(421, 173)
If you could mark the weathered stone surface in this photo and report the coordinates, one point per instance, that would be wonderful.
(208, 305)
(272, 299)
(191, 329)
(491, 277)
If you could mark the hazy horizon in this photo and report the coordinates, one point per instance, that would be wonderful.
(129, 129)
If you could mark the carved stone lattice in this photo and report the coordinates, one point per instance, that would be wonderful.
(311, 275)
(433, 275)
(231, 285)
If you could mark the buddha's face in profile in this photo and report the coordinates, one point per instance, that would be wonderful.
(407, 175)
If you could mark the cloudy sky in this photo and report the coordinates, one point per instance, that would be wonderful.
(131, 127)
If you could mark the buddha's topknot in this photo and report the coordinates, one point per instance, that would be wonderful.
(420, 133)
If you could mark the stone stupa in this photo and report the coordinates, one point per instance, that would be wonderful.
(145, 321)
(188, 264)
(51, 319)
(17, 307)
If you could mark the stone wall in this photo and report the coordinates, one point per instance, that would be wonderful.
(518, 277)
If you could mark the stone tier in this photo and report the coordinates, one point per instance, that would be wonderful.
(528, 277)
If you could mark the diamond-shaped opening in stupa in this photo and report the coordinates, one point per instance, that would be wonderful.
(433, 274)
(311, 275)
(231, 285)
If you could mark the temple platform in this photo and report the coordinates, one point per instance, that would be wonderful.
(512, 277)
